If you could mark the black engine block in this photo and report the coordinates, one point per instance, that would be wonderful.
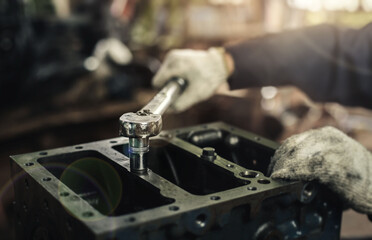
(204, 182)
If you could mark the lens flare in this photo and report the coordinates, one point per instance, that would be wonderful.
(95, 181)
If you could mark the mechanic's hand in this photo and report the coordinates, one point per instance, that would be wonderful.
(115, 49)
(109, 47)
(332, 158)
(205, 71)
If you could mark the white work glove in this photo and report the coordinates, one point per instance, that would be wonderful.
(115, 49)
(329, 156)
(109, 47)
(205, 71)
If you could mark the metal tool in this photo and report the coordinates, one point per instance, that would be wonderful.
(147, 122)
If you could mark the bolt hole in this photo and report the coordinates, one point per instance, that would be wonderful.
(87, 214)
(248, 174)
(257, 138)
(308, 193)
(230, 166)
(215, 198)
(78, 147)
(29, 164)
(252, 188)
(43, 153)
(174, 208)
(113, 141)
(246, 182)
(201, 220)
(47, 179)
(308, 190)
(263, 181)
(64, 194)
(131, 219)
(74, 198)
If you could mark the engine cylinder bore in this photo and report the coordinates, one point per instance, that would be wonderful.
(247, 153)
(102, 184)
(194, 174)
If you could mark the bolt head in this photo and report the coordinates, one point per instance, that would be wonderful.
(209, 153)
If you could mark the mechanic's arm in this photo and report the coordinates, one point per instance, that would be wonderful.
(326, 62)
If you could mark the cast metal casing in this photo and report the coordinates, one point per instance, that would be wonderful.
(73, 192)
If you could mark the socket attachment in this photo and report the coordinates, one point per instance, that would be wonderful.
(147, 122)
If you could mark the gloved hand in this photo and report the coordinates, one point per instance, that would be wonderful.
(109, 47)
(332, 158)
(205, 71)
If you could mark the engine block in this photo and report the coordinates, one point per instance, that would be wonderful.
(204, 182)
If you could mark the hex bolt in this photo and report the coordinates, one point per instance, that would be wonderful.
(209, 154)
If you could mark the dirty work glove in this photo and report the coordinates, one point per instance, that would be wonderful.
(332, 158)
(205, 71)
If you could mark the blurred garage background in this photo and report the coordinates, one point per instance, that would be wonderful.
(67, 75)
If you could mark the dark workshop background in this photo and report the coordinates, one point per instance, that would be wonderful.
(60, 86)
